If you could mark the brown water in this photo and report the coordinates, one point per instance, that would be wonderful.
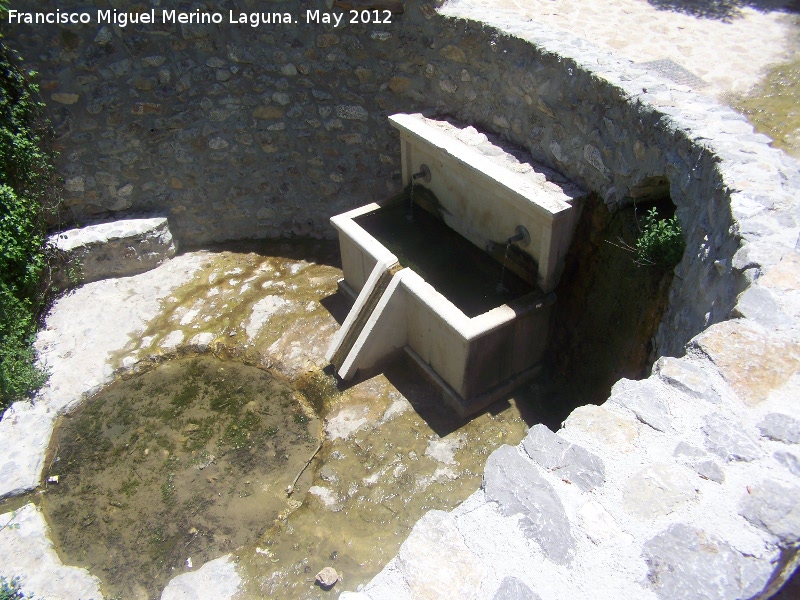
(392, 452)
(175, 467)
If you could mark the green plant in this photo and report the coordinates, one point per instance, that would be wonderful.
(9, 590)
(26, 187)
(661, 241)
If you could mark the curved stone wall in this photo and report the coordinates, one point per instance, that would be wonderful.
(240, 132)
(236, 132)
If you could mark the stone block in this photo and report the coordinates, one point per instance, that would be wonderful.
(781, 428)
(512, 588)
(643, 398)
(435, 561)
(216, 579)
(26, 551)
(790, 461)
(757, 303)
(728, 441)
(116, 249)
(568, 461)
(516, 485)
(657, 490)
(688, 563)
(686, 377)
(608, 428)
(773, 507)
(699, 461)
(752, 361)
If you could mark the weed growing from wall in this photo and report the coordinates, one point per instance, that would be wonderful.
(661, 241)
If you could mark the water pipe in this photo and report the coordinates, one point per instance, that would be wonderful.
(521, 236)
(424, 174)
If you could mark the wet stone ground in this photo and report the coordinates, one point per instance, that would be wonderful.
(385, 450)
(773, 107)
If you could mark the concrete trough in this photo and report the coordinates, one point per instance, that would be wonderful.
(474, 359)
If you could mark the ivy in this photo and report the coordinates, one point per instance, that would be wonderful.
(26, 188)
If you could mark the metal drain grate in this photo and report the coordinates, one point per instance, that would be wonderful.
(673, 71)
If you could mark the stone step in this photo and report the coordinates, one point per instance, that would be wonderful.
(114, 249)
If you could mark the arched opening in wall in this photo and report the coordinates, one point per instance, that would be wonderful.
(609, 307)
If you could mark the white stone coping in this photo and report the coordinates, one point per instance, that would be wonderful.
(345, 224)
(381, 266)
(539, 198)
(469, 328)
(105, 232)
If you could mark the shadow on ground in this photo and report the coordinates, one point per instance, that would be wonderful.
(725, 10)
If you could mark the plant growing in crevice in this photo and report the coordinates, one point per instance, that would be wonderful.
(10, 590)
(660, 242)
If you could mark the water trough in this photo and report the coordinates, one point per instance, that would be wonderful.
(519, 215)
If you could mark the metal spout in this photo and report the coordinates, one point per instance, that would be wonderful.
(521, 237)
(424, 174)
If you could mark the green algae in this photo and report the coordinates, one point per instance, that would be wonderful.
(139, 494)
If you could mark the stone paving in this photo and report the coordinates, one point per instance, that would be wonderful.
(729, 45)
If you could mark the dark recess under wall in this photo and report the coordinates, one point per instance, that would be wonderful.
(606, 315)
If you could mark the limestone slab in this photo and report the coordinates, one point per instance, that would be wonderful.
(608, 428)
(435, 536)
(27, 552)
(566, 460)
(781, 428)
(512, 588)
(691, 564)
(790, 461)
(644, 399)
(118, 248)
(516, 485)
(699, 461)
(752, 361)
(686, 377)
(773, 507)
(215, 580)
(728, 441)
(657, 490)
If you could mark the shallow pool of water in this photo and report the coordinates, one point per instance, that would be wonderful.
(166, 470)
(391, 449)
(392, 452)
